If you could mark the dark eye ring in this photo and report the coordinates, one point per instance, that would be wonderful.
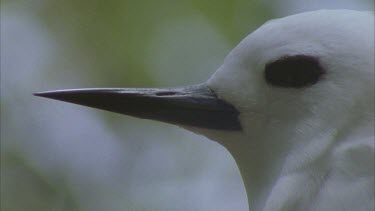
(294, 71)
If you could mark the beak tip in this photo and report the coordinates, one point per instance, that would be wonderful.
(49, 94)
(38, 94)
(43, 94)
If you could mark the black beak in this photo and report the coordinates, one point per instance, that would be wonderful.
(195, 106)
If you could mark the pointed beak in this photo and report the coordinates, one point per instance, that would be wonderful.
(196, 106)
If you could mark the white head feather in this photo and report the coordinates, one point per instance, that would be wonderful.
(306, 148)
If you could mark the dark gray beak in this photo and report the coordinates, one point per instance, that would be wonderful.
(195, 106)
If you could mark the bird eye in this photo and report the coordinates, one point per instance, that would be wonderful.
(294, 71)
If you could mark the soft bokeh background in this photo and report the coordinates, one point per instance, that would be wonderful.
(59, 156)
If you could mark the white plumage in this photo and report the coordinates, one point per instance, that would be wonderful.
(308, 148)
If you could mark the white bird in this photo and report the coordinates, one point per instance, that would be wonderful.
(294, 105)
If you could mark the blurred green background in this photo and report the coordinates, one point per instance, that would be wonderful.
(58, 156)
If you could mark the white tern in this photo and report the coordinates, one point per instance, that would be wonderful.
(293, 103)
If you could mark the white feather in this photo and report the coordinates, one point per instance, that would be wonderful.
(309, 148)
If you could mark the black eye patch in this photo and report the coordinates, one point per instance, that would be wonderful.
(294, 71)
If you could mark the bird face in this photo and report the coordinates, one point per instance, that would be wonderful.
(297, 74)
(292, 75)
(302, 72)
(280, 103)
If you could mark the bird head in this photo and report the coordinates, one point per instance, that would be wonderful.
(278, 102)
(295, 74)
(303, 72)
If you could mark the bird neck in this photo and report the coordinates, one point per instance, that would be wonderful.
(260, 163)
(272, 165)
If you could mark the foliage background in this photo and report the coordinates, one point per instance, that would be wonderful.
(58, 156)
